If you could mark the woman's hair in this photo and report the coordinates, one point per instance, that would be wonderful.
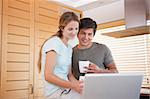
(64, 20)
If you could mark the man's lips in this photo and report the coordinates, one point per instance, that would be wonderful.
(84, 41)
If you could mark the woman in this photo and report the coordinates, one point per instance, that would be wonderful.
(56, 60)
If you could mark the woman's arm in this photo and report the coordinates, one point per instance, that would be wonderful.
(71, 78)
(51, 77)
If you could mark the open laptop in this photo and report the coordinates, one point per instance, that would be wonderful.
(112, 86)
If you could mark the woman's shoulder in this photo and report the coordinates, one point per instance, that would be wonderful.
(52, 41)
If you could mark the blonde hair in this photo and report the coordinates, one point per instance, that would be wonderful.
(64, 20)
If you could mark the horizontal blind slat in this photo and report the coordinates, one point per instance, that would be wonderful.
(131, 54)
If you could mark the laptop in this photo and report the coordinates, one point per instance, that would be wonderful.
(112, 86)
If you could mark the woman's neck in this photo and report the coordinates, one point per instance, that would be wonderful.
(65, 41)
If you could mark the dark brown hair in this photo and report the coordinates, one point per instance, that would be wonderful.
(86, 23)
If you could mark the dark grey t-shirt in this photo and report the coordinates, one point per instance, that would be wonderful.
(98, 54)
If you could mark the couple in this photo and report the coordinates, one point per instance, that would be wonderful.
(59, 61)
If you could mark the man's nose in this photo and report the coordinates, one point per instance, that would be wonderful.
(86, 36)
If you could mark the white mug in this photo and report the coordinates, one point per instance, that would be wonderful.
(82, 65)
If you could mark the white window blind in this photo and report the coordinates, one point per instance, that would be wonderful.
(131, 54)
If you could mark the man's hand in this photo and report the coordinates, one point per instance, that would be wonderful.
(93, 68)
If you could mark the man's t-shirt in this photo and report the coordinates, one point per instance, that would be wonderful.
(98, 54)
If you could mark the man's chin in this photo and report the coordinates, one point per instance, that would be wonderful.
(85, 44)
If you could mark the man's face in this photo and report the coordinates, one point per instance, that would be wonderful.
(85, 37)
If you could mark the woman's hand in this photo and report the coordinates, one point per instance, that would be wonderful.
(77, 86)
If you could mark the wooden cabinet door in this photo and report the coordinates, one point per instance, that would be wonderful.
(0, 42)
(17, 49)
(46, 24)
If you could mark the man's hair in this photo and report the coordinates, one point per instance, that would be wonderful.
(86, 23)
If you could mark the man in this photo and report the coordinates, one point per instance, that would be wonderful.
(99, 55)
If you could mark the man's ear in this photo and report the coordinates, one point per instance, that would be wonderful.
(78, 33)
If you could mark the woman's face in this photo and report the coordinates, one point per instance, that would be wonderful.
(70, 30)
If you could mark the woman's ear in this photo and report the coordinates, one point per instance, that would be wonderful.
(61, 28)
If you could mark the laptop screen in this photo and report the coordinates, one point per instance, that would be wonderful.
(112, 86)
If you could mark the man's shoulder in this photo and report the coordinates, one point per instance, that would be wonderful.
(99, 46)
(96, 44)
(75, 47)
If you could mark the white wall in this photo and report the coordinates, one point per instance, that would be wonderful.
(106, 13)
(109, 12)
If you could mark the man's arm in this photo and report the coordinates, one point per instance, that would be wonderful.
(111, 68)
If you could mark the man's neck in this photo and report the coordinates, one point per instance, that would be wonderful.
(84, 47)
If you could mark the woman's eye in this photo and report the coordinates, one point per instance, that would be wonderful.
(70, 29)
(76, 29)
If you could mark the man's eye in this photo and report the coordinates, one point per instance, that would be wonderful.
(90, 34)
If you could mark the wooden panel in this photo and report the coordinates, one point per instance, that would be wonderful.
(41, 42)
(18, 30)
(18, 22)
(18, 13)
(48, 20)
(18, 39)
(40, 83)
(48, 13)
(129, 32)
(49, 5)
(13, 66)
(18, 48)
(25, 1)
(15, 85)
(40, 92)
(110, 24)
(46, 27)
(39, 97)
(17, 75)
(4, 49)
(18, 5)
(0, 45)
(18, 43)
(45, 35)
(18, 57)
(18, 94)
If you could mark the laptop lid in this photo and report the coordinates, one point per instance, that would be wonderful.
(112, 86)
